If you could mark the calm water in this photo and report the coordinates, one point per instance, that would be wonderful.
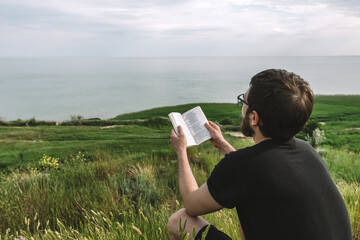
(55, 88)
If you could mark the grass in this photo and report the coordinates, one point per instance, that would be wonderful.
(120, 182)
(228, 110)
(125, 197)
(340, 115)
(90, 192)
(32, 143)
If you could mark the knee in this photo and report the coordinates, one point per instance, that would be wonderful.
(173, 222)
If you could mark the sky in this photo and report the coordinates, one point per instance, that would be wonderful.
(165, 28)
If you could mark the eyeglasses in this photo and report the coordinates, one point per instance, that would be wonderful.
(241, 100)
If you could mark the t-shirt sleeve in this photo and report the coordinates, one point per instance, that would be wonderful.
(225, 183)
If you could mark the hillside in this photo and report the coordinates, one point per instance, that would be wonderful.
(117, 178)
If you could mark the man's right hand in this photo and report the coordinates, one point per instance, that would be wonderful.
(217, 139)
(178, 142)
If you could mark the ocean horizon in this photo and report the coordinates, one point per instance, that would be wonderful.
(56, 88)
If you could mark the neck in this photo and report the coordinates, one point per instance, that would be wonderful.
(258, 137)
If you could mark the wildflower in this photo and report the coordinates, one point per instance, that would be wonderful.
(47, 162)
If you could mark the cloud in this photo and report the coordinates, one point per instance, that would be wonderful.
(188, 27)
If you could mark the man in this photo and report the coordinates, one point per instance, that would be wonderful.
(280, 187)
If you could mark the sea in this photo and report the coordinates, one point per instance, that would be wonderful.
(54, 89)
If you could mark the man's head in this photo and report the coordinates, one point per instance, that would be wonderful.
(282, 101)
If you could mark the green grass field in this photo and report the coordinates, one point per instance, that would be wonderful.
(120, 181)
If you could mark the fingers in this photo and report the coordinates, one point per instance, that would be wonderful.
(173, 133)
(178, 141)
(209, 127)
(213, 125)
(180, 130)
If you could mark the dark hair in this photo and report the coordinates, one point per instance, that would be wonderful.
(283, 101)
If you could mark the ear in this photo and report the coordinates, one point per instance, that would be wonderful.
(254, 118)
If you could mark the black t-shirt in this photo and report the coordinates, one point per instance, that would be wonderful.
(281, 190)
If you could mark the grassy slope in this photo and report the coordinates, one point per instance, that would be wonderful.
(60, 141)
(213, 111)
(327, 108)
(129, 176)
(340, 113)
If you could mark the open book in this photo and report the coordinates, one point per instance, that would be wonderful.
(193, 124)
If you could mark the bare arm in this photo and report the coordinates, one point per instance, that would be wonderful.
(218, 139)
(187, 182)
(197, 201)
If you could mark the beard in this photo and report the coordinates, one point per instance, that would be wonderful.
(245, 127)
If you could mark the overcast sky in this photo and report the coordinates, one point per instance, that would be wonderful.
(134, 28)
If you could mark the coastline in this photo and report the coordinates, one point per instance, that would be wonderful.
(50, 121)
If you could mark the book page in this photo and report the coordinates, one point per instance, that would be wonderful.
(195, 120)
(177, 120)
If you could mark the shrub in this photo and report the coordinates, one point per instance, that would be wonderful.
(227, 121)
(232, 128)
(76, 120)
(316, 137)
(311, 125)
(17, 122)
(31, 122)
(157, 122)
(45, 123)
